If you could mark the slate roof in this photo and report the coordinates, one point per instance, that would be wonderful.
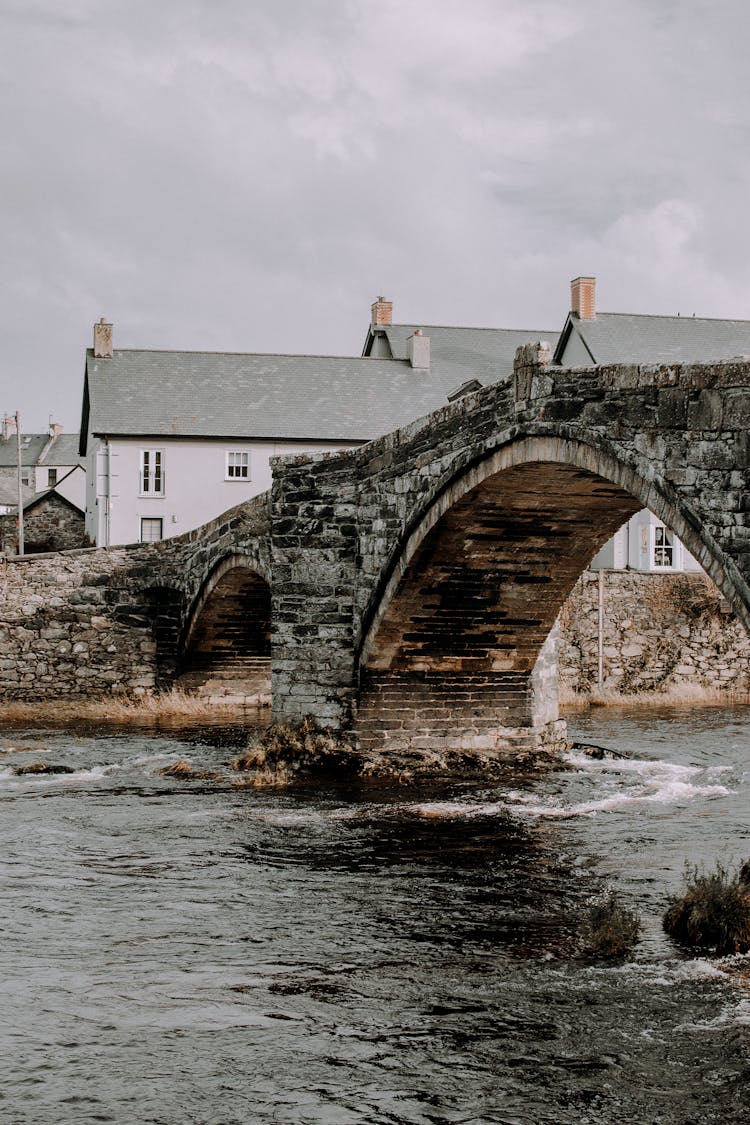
(460, 354)
(633, 338)
(9, 491)
(216, 394)
(63, 451)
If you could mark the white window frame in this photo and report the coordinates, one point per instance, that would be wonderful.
(150, 520)
(237, 464)
(664, 544)
(52, 478)
(152, 480)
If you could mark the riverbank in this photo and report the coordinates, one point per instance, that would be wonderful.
(684, 695)
(176, 706)
(165, 706)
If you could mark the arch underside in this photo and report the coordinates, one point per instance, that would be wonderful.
(484, 588)
(460, 654)
(228, 648)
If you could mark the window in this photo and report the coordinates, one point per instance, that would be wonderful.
(25, 476)
(51, 478)
(152, 472)
(238, 465)
(663, 546)
(151, 530)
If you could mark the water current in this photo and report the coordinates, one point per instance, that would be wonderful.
(191, 952)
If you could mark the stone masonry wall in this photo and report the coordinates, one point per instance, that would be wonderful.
(50, 525)
(60, 636)
(660, 632)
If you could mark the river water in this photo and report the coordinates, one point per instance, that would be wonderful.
(185, 951)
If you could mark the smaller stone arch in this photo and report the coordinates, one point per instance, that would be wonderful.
(226, 646)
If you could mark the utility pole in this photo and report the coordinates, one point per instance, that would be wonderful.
(20, 484)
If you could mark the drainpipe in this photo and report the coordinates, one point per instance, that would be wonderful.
(600, 671)
(20, 484)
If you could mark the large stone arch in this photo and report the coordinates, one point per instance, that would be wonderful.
(457, 648)
(627, 484)
(225, 645)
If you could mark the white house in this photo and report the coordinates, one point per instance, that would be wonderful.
(45, 460)
(173, 439)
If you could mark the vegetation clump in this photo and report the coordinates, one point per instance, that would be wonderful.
(40, 767)
(288, 751)
(185, 772)
(610, 928)
(714, 911)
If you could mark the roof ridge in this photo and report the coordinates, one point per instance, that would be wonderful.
(673, 316)
(269, 355)
(468, 328)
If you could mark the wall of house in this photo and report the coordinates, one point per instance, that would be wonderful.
(196, 488)
(51, 525)
(660, 632)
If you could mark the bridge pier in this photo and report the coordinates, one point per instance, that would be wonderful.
(499, 713)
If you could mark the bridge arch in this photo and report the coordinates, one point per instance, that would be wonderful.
(459, 626)
(568, 453)
(226, 641)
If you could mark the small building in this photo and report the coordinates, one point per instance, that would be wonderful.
(45, 459)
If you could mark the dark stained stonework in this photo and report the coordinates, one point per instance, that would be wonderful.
(79, 624)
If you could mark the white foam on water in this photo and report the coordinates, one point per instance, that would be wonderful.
(669, 792)
(620, 784)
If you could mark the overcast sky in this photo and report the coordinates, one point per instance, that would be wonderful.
(248, 175)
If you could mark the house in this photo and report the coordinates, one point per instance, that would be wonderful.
(51, 520)
(171, 439)
(45, 459)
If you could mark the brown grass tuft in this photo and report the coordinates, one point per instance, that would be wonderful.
(693, 694)
(286, 751)
(173, 704)
(185, 772)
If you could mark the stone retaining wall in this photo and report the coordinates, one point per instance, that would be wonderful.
(660, 632)
(60, 636)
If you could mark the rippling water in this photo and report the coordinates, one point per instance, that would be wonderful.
(184, 952)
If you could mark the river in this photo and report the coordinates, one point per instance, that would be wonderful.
(192, 952)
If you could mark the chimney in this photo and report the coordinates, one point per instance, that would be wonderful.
(103, 340)
(55, 429)
(9, 428)
(583, 297)
(418, 347)
(382, 312)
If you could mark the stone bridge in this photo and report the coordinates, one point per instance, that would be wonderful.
(417, 580)
(411, 587)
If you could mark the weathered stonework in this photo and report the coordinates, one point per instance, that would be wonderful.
(79, 624)
(50, 524)
(660, 633)
(442, 554)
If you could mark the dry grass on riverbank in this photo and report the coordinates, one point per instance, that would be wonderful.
(168, 705)
(688, 695)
